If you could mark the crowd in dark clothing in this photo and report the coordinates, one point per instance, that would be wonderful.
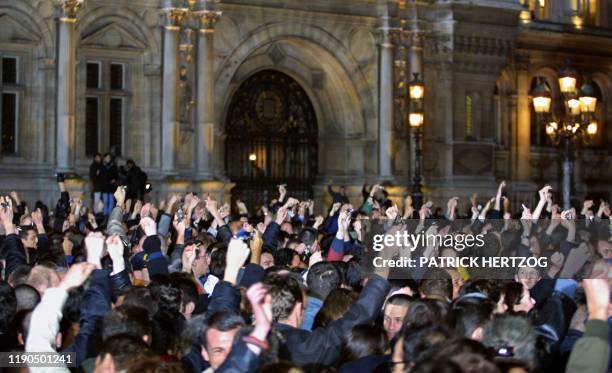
(193, 285)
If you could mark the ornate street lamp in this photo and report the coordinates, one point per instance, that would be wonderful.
(577, 124)
(416, 119)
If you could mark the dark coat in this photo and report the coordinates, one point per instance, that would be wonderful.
(108, 177)
(95, 171)
(322, 346)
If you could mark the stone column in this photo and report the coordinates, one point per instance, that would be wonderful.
(385, 102)
(170, 94)
(66, 87)
(205, 103)
(522, 143)
(416, 66)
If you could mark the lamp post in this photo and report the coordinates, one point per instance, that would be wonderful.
(575, 126)
(416, 119)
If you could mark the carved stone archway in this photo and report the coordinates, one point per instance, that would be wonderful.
(271, 138)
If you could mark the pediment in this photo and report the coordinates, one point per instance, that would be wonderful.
(13, 31)
(112, 36)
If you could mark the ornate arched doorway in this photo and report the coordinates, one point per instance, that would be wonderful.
(271, 139)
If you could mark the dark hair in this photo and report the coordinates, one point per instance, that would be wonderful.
(166, 328)
(284, 257)
(438, 284)
(8, 306)
(27, 297)
(126, 320)
(124, 348)
(487, 287)
(513, 294)
(364, 340)
(469, 313)
(20, 275)
(168, 298)
(322, 278)
(222, 321)
(423, 312)
(138, 296)
(421, 342)
(217, 260)
(512, 331)
(462, 345)
(154, 365)
(438, 366)
(189, 291)
(285, 292)
(399, 300)
(25, 229)
(334, 306)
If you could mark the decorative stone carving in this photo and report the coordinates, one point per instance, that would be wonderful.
(13, 31)
(69, 8)
(113, 36)
(362, 44)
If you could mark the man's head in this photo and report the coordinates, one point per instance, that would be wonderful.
(528, 276)
(322, 278)
(468, 315)
(29, 236)
(127, 320)
(267, 259)
(511, 332)
(108, 158)
(130, 164)
(27, 297)
(123, 349)
(42, 277)
(287, 300)
(218, 336)
(394, 314)
(98, 158)
(437, 285)
(189, 292)
(8, 305)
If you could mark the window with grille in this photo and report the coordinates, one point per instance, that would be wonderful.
(105, 107)
(9, 103)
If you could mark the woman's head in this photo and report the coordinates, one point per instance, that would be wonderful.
(517, 298)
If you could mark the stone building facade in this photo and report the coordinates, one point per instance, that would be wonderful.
(154, 81)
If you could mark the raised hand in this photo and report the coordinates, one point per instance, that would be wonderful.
(291, 202)
(37, 218)
(318, 221)
(76, 276)
(334, 208)
(15, 196)
(237, 253)
(597, 292)
(188, 257)
(242, 209)
(261, 305)
(148, 226)
(392, 212)
(145, 211)
(120, 196)
(94, 242)
(114, 247)
(281, 215)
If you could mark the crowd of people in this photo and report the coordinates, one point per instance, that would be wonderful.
(193, 285)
